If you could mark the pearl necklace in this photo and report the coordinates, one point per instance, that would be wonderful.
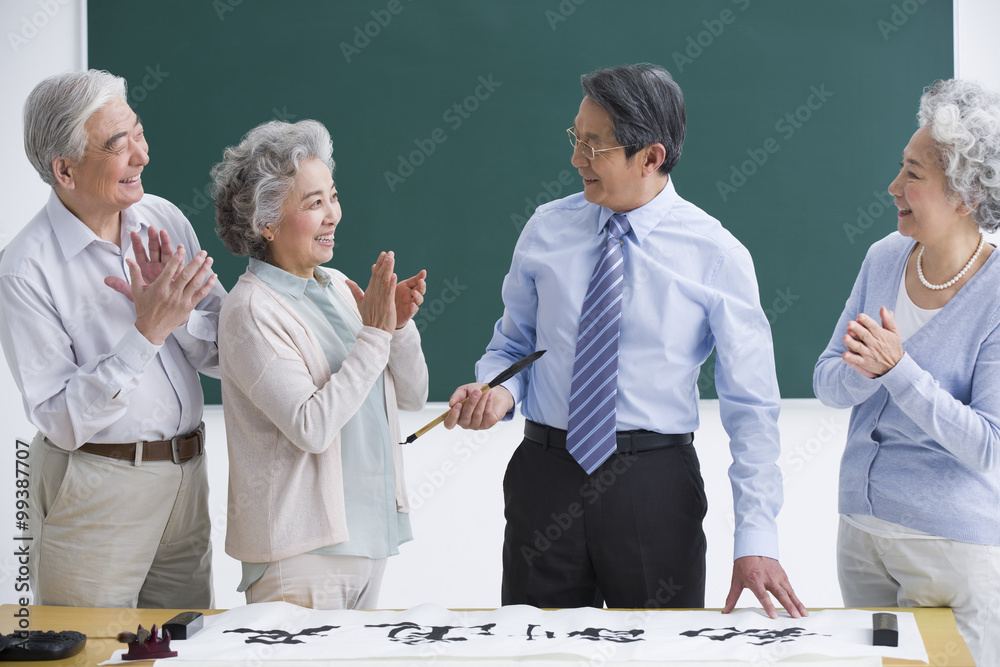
(920, 271)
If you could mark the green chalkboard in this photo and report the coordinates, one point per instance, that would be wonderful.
(448, 121)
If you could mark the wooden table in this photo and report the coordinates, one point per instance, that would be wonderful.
(944, 644)
(101, 625)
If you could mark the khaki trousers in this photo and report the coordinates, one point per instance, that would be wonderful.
(321, 581)
(878, 571)
(108, 533)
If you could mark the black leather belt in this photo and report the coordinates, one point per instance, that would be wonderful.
(628, 441)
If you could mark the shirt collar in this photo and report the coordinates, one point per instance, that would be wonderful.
(133, 221)
(283, 281)
(73, 235)
(646, 217)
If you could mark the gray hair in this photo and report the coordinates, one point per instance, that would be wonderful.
(255, 177)
(964, 120)
(57, 110)
(646, 107)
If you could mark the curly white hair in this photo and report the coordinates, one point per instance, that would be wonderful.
(964, 120)
(255, 176)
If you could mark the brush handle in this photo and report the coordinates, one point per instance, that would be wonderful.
(438, 420)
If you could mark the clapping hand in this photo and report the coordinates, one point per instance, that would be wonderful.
(872, 350)
(409, 296)
(166, 303)
(151, 264)
(377, 303)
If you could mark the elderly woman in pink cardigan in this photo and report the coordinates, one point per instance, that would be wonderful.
(313, 372)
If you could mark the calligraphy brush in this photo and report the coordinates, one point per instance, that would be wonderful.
(513, 370)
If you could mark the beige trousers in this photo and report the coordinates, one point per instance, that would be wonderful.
(321, 581)
(878, 571)
(108, 533)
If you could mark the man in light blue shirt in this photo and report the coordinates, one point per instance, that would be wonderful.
(628, 533)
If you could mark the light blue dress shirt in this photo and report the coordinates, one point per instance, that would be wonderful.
(689, 287)
(373, 522)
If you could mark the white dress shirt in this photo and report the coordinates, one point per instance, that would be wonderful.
(85, 372)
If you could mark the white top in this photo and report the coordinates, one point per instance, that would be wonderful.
(85, 372)
(910, 317)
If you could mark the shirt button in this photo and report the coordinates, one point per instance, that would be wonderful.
(144, 356)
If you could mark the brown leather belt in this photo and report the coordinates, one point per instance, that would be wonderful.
(177, 449)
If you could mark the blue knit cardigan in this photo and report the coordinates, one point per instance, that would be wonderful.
(923, 446)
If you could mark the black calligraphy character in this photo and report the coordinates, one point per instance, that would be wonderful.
(764, 635)
(617, 636)
(531, 629)
(413, 634)
(281, 636)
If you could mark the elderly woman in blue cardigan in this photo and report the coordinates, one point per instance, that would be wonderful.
(916, 355)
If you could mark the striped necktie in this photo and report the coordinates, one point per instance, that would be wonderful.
(590, 436)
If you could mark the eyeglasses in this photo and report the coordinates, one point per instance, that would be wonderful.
(586, 149)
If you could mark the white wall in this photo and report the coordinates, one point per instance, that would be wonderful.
(39, 38)
(977, 53)
(454, 477)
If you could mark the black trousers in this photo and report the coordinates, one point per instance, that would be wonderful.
(629, 535)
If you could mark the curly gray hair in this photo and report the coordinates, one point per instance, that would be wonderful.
(964, 120)
(57, 110)
(255, 176)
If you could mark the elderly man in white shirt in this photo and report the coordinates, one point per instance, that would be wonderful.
(105, 340)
